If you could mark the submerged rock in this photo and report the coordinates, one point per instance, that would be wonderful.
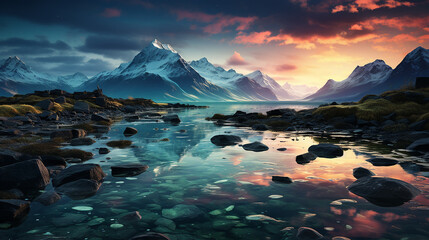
(255, 147)
(420, 145)
(225, 140)
(13, 212)
(76, 172)
(79, 189)
(128, 170)
(306, 233)
(383, 191)
(305, 158)
(361, 172)
(48, 198)
(326, 150)
(129, 131)
(172, 118)
(150, 236)
(382, 161)
(131, 217)
(182, 213)
(260, 127)
(28, 175)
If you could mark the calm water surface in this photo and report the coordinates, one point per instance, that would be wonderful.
(228, 184)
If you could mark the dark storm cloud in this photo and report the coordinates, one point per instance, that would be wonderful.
(89, 68)
(40, 44)
(112, 47)
(60, 59)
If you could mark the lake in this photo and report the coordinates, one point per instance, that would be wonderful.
(225, 185)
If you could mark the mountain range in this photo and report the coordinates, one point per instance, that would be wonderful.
(160, 73)
(375, 78)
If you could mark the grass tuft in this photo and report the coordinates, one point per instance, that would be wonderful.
(17, 110)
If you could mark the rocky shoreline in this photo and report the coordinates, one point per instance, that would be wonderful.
(31, 153)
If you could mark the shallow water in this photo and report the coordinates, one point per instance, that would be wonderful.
(228, 184)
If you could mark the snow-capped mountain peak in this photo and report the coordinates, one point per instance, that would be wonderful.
(266, 81)
(416, 54)
(156, 43)
(14, 64)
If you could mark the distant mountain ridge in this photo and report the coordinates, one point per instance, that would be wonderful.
(241, 86)
(375, 78)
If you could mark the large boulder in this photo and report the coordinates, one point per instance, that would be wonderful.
(76, 172)
(361, 172)
(81, 106)
(82, 141)
(8, 157)
(225, 140)
(306, 233)
(420, 145)
(255, 147)
(28, 175)
(68, 133)
(13, 212)
(383, 191)
(129, 131)
(79, 189)
(60, 100)
(182, 213)
(46, 104)
(326, 150)
(150, 236)
(128, 170)
(382, 162)
(171, 118)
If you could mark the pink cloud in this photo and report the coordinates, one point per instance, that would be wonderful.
(236, 60)
(339, 8)
(253, 38)
(285, 67)
(111, 12)
(216, 22)
(370, 5)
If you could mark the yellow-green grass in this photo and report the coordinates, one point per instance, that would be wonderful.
(17, 110)
(375, 109)
(53, 148)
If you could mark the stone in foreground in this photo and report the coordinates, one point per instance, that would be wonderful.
(281, 179)
(305, 158)
(383, 191)
(225, 140)
(182, 213)
(361, 172)
(420, 145)
(150, 236)
(79, 189)
(306, 233)
(27, 175)
(382, 162)
(129, 131)
(172, 118)
(255, 147)
(128, 170)
(13, 212)
(83, 171)
(326, 150)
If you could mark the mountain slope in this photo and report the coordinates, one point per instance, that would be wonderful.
(17, 77)
(299, 91)
(158, 72)
(242, 87)
(73, 80)
(266, 81)
(356, 85)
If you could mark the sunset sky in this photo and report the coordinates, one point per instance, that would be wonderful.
(298, 41)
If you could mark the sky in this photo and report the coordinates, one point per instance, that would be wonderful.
(295, 41)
